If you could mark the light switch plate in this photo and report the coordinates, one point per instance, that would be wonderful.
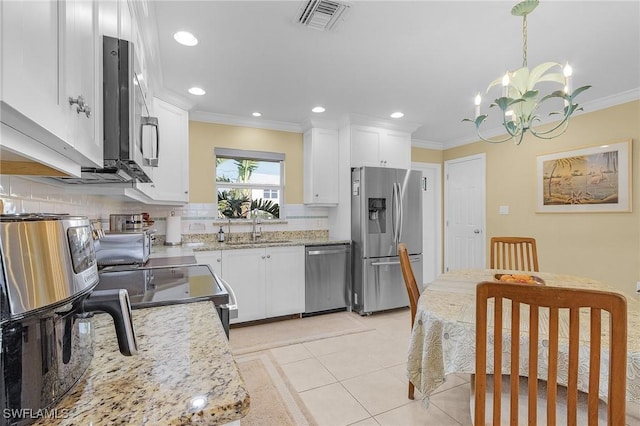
(504, 210)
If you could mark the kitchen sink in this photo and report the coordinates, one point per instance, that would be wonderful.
(252, 243)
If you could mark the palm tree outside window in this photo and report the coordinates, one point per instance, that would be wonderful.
(249, 183)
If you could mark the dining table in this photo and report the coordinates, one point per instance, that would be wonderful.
(443, 336)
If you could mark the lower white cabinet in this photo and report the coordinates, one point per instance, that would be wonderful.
(211, 258)
(268, 282)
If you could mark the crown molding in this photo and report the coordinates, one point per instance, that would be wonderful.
(321, 123)
(232, 120)
(363, 120)
(417, 143)
(612, 100)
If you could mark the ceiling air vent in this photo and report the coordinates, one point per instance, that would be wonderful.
(321, 15)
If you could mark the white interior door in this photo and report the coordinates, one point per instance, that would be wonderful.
(431, 220)
(464, 213)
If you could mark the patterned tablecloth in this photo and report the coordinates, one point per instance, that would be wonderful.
(443, 336)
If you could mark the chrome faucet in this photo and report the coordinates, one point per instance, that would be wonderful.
(256, 234)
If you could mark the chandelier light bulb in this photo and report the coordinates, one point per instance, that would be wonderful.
(477, 101)
(505, 84)
(567, 70)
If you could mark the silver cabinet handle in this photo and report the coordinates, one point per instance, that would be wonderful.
(81, 106)
(476, 231)
(268, 256)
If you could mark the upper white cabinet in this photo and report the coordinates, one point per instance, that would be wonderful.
(321, 176)
(49, 84)
(378, 147)
(171, 177)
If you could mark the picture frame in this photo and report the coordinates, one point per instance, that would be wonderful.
(591, 179)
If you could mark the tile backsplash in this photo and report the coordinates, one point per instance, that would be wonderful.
(26, 195)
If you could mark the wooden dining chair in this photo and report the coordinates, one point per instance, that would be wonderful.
(562, 303)
(515, 253)
(412, 290)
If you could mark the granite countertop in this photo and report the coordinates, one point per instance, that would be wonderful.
(233, 245)
(183, 374)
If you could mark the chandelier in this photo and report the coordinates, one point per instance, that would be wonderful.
(520, 101)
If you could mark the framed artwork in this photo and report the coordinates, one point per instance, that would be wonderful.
(592, 179)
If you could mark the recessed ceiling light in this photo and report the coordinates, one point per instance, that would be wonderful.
(318, 109)
(197, 91)
(256, 114)
(397, 114)
(185, 38)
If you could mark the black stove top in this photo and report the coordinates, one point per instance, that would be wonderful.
(164, 285)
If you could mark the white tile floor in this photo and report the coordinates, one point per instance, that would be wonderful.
(360, 379)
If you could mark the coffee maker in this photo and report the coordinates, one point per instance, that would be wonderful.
(48, 273)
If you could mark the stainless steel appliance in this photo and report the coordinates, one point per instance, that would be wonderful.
(129, 149)
(122, 248)
(327, 277)
(47, 278)
(386, 208)
(172, 284)
(126, 222)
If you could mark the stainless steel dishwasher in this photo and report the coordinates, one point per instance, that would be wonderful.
(327, 277)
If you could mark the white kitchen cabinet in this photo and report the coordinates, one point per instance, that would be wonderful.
(378, 147)
(268, 282)
(171, 177)
(212, 258)
(321, 178)
(284, 276)
(82, 78)
(49, 57)
(243, 270)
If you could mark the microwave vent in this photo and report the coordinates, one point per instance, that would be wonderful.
(322, 15)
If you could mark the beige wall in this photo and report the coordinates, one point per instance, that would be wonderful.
(603, 246)
(204, 137)
(424, 155)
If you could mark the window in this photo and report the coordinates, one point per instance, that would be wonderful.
(249, 183)
(270, 193)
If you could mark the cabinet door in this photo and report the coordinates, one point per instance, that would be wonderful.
(395, 149)
(365, 143)
(284, 274)
(243, 270)
(31, 68)
(171, 177)
(211, 258)
(81, 80)
(321, 166)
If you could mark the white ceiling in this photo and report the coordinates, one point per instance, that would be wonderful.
(427, 59)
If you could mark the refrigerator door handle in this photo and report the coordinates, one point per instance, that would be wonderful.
(397, 212)
(401, 210)
(392, 262)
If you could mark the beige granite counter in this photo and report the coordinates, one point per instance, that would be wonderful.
(214, 245)
(183, 374)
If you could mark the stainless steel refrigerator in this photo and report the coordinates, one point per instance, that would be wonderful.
(386, 209)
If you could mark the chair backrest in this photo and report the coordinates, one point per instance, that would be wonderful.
(409, 279)
(516, 253)
(562, 303)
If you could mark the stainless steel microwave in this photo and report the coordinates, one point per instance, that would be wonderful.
(128, 147)
(131, 139)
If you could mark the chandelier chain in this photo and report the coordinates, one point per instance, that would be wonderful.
(524, 40)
